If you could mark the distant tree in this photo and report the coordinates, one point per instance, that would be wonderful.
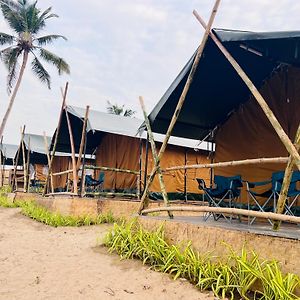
(26, 21)
(115, 109)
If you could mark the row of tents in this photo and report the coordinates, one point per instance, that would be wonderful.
(219, 109)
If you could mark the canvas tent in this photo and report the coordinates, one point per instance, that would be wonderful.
(220, 108)
(8, 153)
(114, 141)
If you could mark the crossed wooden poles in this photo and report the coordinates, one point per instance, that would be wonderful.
(292, 149)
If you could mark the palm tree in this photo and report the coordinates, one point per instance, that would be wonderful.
(115, 109)
(26, 21)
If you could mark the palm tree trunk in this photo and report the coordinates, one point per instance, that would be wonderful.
(14, 94)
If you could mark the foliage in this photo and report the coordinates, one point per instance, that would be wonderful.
(41, 214)
(238, 274)
(26, 21)
(5, 190)
(115, 109)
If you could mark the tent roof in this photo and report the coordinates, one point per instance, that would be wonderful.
(217, 90)
(101, 122)
(36, 143)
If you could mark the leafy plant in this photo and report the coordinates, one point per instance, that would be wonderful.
(235, 275)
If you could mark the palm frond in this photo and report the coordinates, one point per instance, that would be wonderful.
(45, 16)
(10, 57)
(11, 3)
(39, 70)
(58, 62)
(31, 16)
(129, 113)
(13, 16)
(48, 39)
(6, 38)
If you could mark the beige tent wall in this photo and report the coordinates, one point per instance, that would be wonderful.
(120, 152)
(174, 181)
(248, 133)
(60, 164)
(40, 171)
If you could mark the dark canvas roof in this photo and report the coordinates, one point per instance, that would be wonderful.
(217, 90)
(8, 152)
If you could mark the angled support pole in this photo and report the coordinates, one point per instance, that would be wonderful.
(180, 103)
(56, 137)
(49, 161)
(286, 182)
(155, 157)
(259, 98)
(27, 167)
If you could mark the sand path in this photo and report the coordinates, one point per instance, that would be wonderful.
(41, 262)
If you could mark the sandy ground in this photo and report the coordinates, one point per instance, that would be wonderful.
(41, 262)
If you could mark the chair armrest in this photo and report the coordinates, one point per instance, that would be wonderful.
(257, 183)
(201, 184)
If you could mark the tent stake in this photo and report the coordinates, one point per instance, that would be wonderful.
(180, 103)
(286, 182)
(56, 137)
(259, 98)
(155, 157)
(75, 187)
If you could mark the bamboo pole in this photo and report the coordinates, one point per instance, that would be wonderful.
(62, 172)
(146, 162)
(14, 178)
(286, 182)
(180, 103)
(252, 161)
(259, 98)
(89, 167)
(232, 211)
(83, 136)
(82, 185)
(56, 136)
(49, 161)
(139, 179)
(27, 167)
(155, 157)
(24, 164)
(1, 162)
(75, 187)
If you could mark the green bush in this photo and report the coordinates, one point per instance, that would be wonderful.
(237, 275)
(41, 214)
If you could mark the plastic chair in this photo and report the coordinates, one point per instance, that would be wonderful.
(95, 185)
(271, 195)
(225, 194)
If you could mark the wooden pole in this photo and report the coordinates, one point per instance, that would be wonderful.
(75, 187)
(232, 211)
(82, 189)
(49, 161)
(56, 136)
(83, 137)
(112, 169)
(14, 179)
(156, 160)
(1, 162)
(259, 98)
(24, 165)
(185, 175)
(180, 102)
(286, 182)
(139, 179)
(27, 167)
(224, 164)
(146, 163)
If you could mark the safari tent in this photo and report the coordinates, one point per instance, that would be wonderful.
(117, 148)
(7, 154)
(220, 108)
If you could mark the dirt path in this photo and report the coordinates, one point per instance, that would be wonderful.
(40, 262)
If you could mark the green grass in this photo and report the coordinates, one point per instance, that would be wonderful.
(41, 214)
(235, 276)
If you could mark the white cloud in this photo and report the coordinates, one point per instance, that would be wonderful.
(119, 50)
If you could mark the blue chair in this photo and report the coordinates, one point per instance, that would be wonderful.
(94, 185)
(225, 193)
(272, 193)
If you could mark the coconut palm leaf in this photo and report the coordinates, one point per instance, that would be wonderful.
(40, 72)
(13, 18)
(58, 62)
(6, 39)
(48, 39)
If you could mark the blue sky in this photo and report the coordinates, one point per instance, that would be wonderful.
(120, 49)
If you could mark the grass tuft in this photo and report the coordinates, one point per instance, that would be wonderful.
(41, 214)
(236, 275)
